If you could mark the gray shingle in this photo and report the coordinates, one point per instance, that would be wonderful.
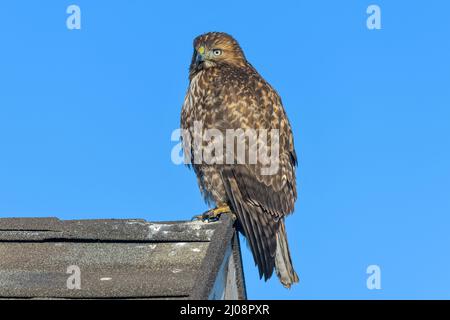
(116, 258)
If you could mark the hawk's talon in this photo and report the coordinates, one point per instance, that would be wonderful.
(212, 214)
(200, 217)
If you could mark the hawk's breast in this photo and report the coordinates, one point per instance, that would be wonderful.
(196, 117)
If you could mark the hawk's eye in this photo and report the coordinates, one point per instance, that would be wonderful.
(217, 52)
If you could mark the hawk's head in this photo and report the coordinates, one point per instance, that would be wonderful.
(216, 48)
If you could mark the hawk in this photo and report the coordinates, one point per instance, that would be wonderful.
(226, 93)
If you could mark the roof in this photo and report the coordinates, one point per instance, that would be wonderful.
(130, 258)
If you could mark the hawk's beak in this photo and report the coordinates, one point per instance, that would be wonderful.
(199, 58)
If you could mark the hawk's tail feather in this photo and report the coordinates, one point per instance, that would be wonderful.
(283, 263)
(246, 224)
(266, 235)
(258, 226)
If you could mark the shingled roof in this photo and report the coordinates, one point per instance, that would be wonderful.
(130, 258)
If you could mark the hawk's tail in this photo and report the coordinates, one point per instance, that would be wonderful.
(265, 235)
(283, 263)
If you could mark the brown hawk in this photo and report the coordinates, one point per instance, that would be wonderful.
(226, 94)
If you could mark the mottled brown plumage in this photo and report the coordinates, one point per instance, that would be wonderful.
(226, 92)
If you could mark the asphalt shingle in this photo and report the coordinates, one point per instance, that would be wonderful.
(129, 258)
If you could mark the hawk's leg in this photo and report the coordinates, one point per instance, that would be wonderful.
(213, 214)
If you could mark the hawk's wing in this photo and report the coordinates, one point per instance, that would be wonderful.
(259, 200)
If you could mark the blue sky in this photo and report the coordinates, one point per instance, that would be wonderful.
(86, 118)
